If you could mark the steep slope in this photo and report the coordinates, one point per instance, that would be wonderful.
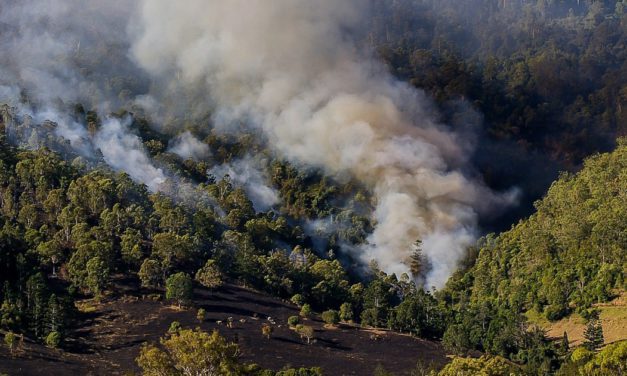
(569, 255)
(571, 252)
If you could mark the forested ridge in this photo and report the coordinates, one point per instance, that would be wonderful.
(567, 256)
(546, 77)
(68, 230)
(535, 87)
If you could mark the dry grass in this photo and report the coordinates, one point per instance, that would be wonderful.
(613, 318)
(86, 306)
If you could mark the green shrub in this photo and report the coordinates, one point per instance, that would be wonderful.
(346, 312)
(298, 299)
(305, 310)
(53, 339)
(175, 326)
(331, 317)
(201, 315)
(293, 321)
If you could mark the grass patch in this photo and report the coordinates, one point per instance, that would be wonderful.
(85, 306)
(537, 318)
(613, 319)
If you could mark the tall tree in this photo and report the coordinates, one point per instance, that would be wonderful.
(593, 332)
(179, 288)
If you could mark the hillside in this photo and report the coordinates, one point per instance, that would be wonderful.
(113, 331)
(298, 188)
(570, 256)
(613, 316)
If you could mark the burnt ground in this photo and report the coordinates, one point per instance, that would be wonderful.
(112, 332)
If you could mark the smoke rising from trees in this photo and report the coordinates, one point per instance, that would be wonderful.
(288, 69)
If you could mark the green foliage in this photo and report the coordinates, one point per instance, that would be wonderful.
(150, 273)
(370, 317)
(201, 315)
(175, 326)
(97, 276)
(298, 299)
(53, 339)
(130, 245)
(418, 313)
(305, 311)
(190, 352)
(593, 332)
(380, 371)
(314, 371)
(88, 224)
(305, 331)
(331, 317)
(10, 340)
(485, 365)
(611, 360)
(569, 253)
(179, 288)
(209, 275)
(346, 312)
(171, 249)
(293, 321)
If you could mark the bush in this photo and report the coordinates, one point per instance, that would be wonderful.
(194, 351)
(266, 330)
(305, 311)
(369, 317)
(209, 275)
(201, 315)
(331, 317)
(53, 339)
(315, 371)
(293, 321)
(175, 326)
(346, 312)
(10, 339)
(298, 299)
(305, 331)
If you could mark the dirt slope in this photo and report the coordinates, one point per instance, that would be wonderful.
(113, 332)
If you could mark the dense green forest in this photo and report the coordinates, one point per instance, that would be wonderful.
(547, 77)
(538, 86)
(68, 230)
(567, 256)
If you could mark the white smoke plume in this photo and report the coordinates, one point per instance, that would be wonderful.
(289, 67)
(186, 146)
(247, 173)
(125, 151)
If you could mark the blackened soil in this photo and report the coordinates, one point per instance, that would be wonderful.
(110, 337)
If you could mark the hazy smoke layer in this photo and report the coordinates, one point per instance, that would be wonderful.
(59, 52)
(289, 67)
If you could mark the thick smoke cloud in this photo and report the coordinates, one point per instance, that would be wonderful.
(286, 67)
(290, 68)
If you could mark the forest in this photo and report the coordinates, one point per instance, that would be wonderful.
(536, 88)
